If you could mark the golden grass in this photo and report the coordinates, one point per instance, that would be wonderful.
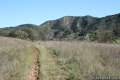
(15, 58)
(83, 60)
(58, 60)
(49, 70)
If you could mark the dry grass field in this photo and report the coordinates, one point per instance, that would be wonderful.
(85, 61)
(58, 60)
(15, 59)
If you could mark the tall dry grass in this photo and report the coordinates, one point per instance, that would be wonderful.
(15, 58)
(85, 61)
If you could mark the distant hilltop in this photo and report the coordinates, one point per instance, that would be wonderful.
(105, 29)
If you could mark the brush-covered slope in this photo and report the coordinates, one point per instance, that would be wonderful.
(83, 28)
(15, 59)
(24, 31)
(105, 29)
(70, 26)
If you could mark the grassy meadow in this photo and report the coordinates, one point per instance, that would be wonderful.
(15, 59)
(83, 60)
(57, 60)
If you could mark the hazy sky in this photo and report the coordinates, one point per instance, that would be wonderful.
(15, 12)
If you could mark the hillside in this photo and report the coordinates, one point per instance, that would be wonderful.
(105, 29)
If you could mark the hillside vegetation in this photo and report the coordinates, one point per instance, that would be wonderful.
(105, 29)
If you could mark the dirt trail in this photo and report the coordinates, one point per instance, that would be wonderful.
(33, 74)
(44, 65)
(49, 69)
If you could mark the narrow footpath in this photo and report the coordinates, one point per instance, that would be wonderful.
(33, 74)
(44, 66)
(49, 68)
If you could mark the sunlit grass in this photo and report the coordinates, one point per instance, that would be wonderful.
(83, 60)
(15, 59)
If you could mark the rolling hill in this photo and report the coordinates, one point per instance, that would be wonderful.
(105, 29)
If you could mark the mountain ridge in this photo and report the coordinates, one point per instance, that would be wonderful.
(104, 29)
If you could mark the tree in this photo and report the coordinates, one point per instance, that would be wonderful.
(19, 34)
(92, 36)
